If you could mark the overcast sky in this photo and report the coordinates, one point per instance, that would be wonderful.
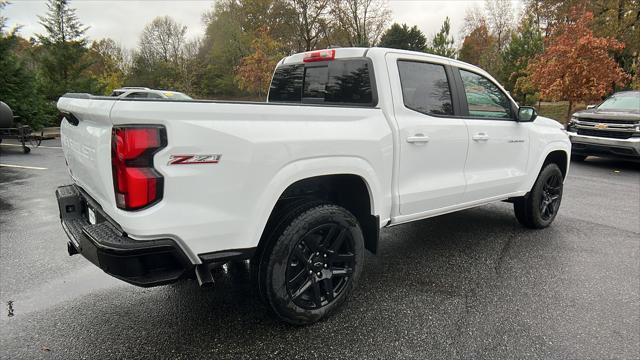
(123, 20)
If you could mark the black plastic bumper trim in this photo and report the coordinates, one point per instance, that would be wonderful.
(227, 255)
(142, 263)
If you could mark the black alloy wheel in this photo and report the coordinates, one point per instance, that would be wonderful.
(320, 266)
(550, 199)
(539, 207)
(312, 261)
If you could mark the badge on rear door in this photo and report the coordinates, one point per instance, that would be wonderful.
(194, 159)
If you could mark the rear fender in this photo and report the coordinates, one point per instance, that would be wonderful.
(307, 168)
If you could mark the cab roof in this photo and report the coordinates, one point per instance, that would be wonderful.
(353, 52)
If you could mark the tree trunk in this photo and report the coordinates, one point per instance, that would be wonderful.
(569, 110)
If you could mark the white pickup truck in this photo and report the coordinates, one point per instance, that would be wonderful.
(351, 140)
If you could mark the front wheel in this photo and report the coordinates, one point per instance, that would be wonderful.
(539, 208)
(312, 263)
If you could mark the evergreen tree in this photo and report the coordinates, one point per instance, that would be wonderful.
(64, 46)
(443, 41)
(18, 85)
(525, 44)
(402, 37)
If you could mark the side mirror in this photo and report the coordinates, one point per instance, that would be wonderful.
(527, 114)
(591, 107)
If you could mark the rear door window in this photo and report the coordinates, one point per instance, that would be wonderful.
(346, 81)
(425, 87)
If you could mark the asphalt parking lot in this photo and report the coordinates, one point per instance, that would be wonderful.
(472, 284)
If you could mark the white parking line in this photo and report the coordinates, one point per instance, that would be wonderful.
(41, 146)
(23, 167)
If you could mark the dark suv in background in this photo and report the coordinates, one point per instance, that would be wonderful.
(611, 128)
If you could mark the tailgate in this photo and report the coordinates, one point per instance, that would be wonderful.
(86, 142)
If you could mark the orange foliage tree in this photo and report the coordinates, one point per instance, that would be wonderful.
(576, 65)
(254, 72)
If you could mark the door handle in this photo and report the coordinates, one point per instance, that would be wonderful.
(482, 136)
(418, 138)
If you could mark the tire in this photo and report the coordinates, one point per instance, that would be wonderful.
(578, 157)
(312, 262)
(539, 208)
(283, 214)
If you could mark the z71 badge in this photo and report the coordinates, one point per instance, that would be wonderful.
(194, 159)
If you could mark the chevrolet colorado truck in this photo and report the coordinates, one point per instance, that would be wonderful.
(351, 140)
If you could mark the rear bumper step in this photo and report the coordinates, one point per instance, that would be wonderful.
(142, 263)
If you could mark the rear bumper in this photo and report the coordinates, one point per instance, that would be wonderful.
(143, 263)
(592, 145)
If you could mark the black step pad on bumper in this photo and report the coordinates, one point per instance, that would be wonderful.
(143, 263)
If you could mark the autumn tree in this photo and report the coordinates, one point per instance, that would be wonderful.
(62, 62)
(254, 72)
(359, 22)
(486, 34)
(110, 64)
(231, 27)
(620, 19)
(576, 65)
(477, 43)
(402, 37)
(442, 43)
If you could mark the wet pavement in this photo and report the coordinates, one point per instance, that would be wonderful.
(472, 284)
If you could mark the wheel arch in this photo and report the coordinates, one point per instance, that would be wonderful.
(347, 182)
(560, 158)
(556, 152)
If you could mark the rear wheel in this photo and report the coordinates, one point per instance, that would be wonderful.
(312, 263)
(539, 208)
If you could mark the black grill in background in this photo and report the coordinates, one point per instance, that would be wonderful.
(605, 133)
(610, 121)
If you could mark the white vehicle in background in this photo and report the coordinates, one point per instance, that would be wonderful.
(351, 140)
(146, 93)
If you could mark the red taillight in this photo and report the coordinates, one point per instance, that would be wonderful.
(319, 55)
(136, 183)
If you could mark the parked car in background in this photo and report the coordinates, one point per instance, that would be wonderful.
(610, 128)
(351, 140)
(146, 93)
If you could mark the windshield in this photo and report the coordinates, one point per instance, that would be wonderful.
(622, 102)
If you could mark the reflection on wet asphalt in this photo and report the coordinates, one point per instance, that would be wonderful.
(472, 284)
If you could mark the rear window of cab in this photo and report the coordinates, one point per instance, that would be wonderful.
(336, 82)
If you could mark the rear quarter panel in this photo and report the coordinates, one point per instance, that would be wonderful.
(264, 148)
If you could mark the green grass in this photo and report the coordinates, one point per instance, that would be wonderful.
(558, 110)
